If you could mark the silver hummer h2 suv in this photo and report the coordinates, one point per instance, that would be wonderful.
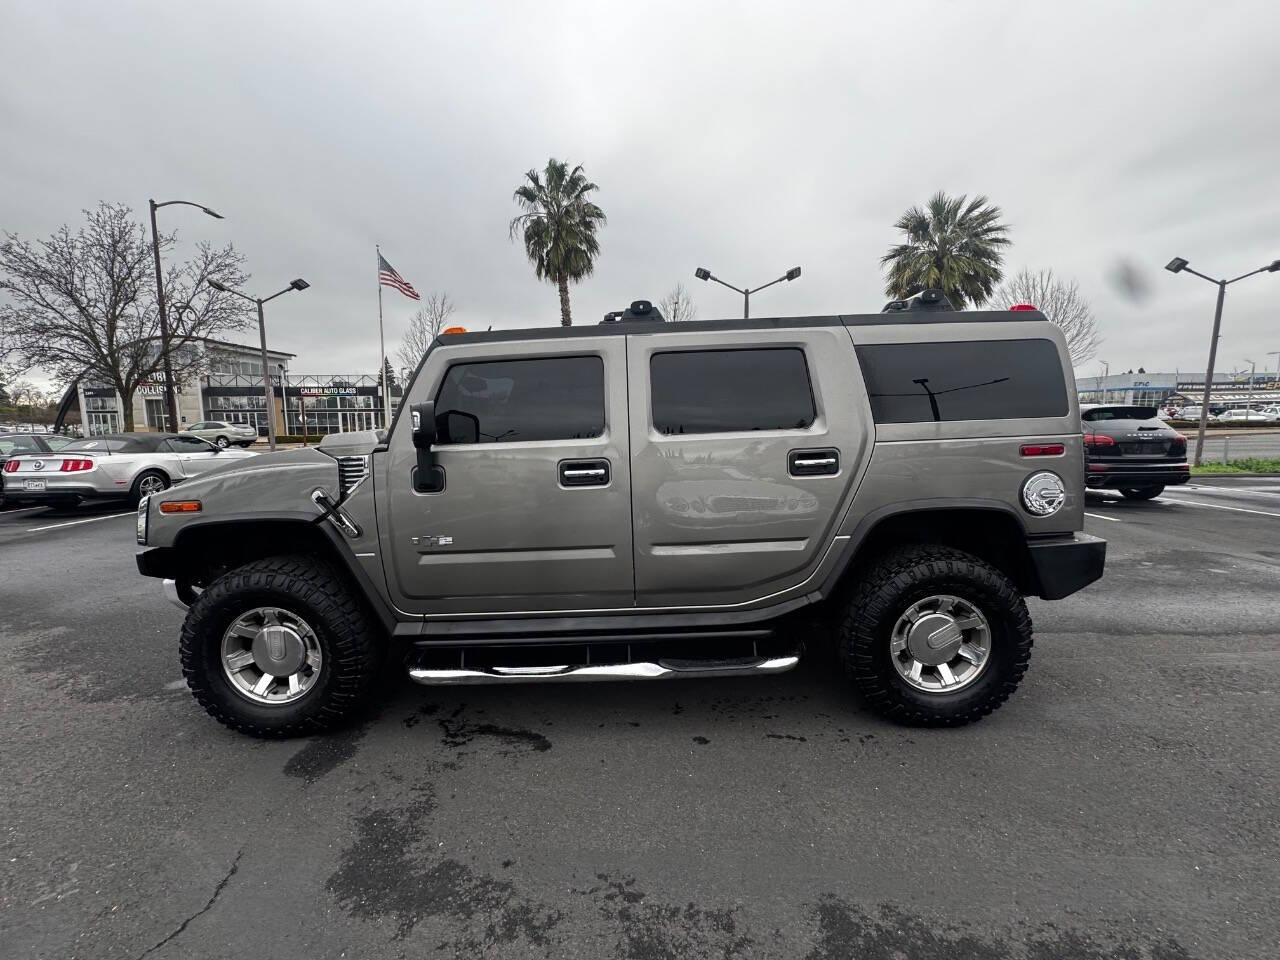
(645, 500)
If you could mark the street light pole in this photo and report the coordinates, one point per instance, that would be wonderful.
(171, 397)
(1178, 265)
(702, 273)
(298, 284)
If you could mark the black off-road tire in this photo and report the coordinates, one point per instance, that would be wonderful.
(311, 590)
(1141, 493)
(887, 589)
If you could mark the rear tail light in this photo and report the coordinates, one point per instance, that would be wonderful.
(74, 466)
(1095, 440)
(1178, 444)
(1043, 449)
(11, 466)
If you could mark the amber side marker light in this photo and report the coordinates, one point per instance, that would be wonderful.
(180, 506)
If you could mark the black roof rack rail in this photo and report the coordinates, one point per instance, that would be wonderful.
(925, 300)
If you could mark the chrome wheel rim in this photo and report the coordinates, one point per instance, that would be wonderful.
(150, 485)
(223, 442)
(271, 655)
(940, 644)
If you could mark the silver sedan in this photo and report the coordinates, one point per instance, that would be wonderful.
(116, 466)
(222, 433)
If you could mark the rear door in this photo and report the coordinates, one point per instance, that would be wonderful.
(744, 446)
(530, 506)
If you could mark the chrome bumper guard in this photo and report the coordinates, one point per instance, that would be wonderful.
(661, 670)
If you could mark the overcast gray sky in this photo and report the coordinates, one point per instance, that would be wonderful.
(743, 137)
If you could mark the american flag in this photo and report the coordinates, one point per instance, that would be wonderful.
(388, 277)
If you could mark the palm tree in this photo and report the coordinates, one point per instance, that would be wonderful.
(558, 226)
(955, 245)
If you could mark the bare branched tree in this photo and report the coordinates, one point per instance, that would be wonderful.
(423, 328)
(84, 302)
(1059, 300)
(677, 306)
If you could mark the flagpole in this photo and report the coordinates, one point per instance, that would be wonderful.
(382, 350)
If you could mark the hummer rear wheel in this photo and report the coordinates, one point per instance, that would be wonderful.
(280, 647)
(936, 637)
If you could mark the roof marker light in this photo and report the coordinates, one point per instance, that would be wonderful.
(1017, 307)
(454, 330)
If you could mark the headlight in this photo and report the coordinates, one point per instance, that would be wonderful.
(1043, 493)
(143, 506)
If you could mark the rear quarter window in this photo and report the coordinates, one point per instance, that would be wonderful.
(963, 380)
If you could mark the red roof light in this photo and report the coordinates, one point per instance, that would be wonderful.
(1021, 306)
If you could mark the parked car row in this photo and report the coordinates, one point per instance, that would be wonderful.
(1259, 415)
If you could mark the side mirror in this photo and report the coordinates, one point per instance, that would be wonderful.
(424, 424)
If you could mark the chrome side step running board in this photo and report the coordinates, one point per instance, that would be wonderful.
(661, 670)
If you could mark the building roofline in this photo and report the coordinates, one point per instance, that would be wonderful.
(243, 346)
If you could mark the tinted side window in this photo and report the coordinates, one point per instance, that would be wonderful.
(970, 380)
(188, 445)
(722, 391)
(550, 398)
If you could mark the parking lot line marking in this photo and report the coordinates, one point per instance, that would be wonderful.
(1098, 516)
(72, 523)
(1217, 506)
(6, 513)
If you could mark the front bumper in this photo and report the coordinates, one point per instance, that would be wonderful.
(1064, 565)
(1108, 475)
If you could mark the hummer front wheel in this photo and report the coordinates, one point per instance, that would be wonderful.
(279, 647)
(936, 637)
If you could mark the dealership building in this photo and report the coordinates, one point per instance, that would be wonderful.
(1180, 389)
(229, 388)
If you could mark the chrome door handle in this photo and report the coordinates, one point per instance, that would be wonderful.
(813, 463)
(584, 473)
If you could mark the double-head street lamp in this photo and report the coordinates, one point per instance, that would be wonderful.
(1179, 265)
(171, 400)
(298, 284)
(702, 273)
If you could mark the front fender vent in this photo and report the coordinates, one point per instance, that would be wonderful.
(351, 470)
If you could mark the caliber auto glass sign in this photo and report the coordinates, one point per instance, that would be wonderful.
(327, 391)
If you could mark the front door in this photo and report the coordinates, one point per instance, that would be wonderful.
(195, 455)
(156, 415)
(530, 506)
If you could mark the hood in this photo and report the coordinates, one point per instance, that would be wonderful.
(357, 443)
(286, 462)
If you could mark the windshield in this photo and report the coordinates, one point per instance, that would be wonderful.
(10, 445)
(1118, 413)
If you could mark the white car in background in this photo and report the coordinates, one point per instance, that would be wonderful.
(1245, 416)
(222, 433)
(126, 466)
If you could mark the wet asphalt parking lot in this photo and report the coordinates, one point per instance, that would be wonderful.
(1122, 805)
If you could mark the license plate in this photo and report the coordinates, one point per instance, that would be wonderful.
(32, 484)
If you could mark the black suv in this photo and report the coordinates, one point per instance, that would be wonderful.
(1131, 450)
